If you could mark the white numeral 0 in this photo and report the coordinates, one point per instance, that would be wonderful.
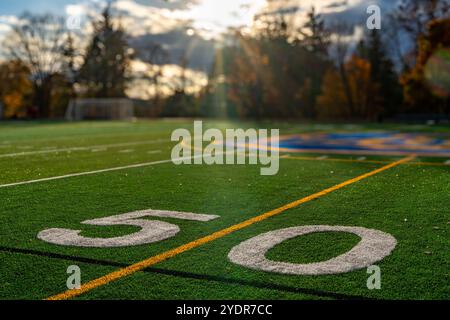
(373, 247)
(151, 230)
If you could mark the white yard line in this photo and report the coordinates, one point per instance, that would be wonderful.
(133, 166)
(88, 148)
(99, 150)
(87, 173)
(82, 136)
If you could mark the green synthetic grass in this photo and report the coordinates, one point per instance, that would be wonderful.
(410, 202)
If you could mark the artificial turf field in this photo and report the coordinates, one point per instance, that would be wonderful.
(410, 201)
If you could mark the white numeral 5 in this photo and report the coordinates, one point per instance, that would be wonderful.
(151, 230)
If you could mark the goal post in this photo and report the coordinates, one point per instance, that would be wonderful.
(100, 109)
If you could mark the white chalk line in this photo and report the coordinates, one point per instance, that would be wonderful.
(87, 148)
(86, 173)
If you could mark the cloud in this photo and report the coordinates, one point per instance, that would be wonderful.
(6, 23)
(179, 44)
(142, 88)
(139, 19)
(9, 20)
(356, 12)
(217, 16)
(172, 4)
(350, 11)
(211, 17)
(75, 9)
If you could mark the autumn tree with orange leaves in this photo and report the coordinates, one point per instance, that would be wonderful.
(16, 88)
(333, 103)
(427, 85)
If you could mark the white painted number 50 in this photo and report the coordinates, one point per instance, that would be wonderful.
(151, 230)
(374, 246)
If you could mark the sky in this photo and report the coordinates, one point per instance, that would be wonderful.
(211, 16)
(229, 12)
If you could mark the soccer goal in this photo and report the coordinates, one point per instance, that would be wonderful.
(100, 109)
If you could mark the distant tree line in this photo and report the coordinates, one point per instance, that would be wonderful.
(277, 71)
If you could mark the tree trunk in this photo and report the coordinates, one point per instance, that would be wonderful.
(347, 89)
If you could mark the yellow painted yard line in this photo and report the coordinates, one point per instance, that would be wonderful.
(430, 164)
(366, 161)
(336, 160)
(121, 273)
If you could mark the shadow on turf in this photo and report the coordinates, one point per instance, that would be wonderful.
(188, 275)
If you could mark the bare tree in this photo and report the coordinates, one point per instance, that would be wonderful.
(182, 84)
(155, 55)
(181, 81)
(38, 41)
(340, 51)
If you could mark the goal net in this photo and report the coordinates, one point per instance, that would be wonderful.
(100, 109)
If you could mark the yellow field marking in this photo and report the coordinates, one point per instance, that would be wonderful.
(121, 273)
(335, 160)
(364, 161)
